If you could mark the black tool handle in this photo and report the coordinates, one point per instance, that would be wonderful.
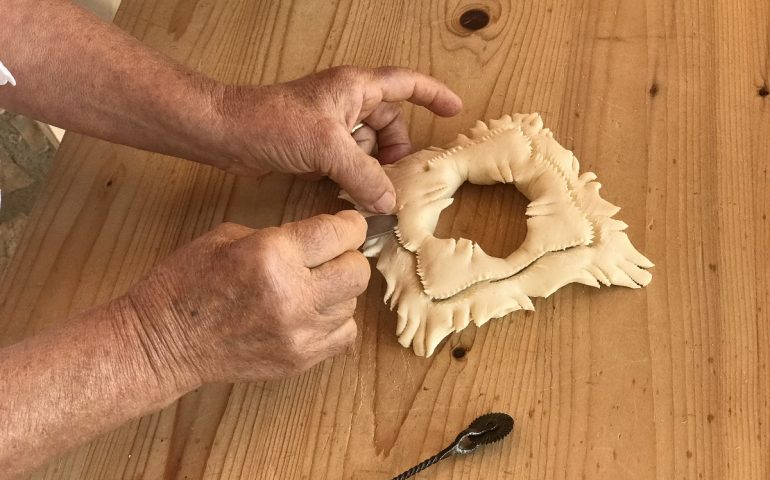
(448, 451)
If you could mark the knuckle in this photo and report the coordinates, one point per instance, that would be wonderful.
(348, 335)
(262, 251)
(304, 360)
(295, 351)
(352, 333)
(323, 218)
(361, 272)
(345, 79)
(344, 73)
(227, 231)
(352, 274)
(270, 237)
(296, 344)
(267, 254)
(224, 229)
(391, 71)
(317, 229)
(296, 361)
(348, 307)
(337, 231)
(272, 242)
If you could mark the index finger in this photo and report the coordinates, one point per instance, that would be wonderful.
(397, 84)
(323, 238)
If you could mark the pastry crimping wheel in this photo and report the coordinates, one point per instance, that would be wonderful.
(437, 286)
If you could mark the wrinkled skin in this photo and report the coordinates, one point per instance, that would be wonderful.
(243, 305)
(303, 126)
(235, 304)
(250, 305)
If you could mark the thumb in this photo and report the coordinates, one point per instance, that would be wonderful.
(360, 175)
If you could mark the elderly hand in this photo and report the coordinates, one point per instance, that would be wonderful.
(304, 126)
(236, 304)
(243, 305)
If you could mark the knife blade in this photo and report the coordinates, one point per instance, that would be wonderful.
(379, 225)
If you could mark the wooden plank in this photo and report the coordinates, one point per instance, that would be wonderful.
(662, 99)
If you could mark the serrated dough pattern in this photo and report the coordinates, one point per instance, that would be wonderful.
(438, 286)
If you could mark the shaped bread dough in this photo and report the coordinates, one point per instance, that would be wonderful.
(515, 150)
(439, 286)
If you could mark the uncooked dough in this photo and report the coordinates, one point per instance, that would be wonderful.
(438, 286)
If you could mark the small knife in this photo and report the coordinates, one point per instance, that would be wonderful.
(379, 225)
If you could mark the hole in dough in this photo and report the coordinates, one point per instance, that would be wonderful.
(499, 227)
(440, 286)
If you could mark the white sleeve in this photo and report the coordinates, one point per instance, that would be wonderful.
(5, 76)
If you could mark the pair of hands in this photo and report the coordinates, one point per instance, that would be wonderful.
(241, 305)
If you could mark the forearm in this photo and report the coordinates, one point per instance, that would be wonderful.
(75, 382)
(79, 73)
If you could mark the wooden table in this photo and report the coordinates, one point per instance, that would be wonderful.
(666, 101)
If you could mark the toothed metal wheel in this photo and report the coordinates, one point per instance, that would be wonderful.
(488, 428)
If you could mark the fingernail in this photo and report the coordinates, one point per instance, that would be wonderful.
(386, 203)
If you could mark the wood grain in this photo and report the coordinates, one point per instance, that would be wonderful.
(663, 100)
